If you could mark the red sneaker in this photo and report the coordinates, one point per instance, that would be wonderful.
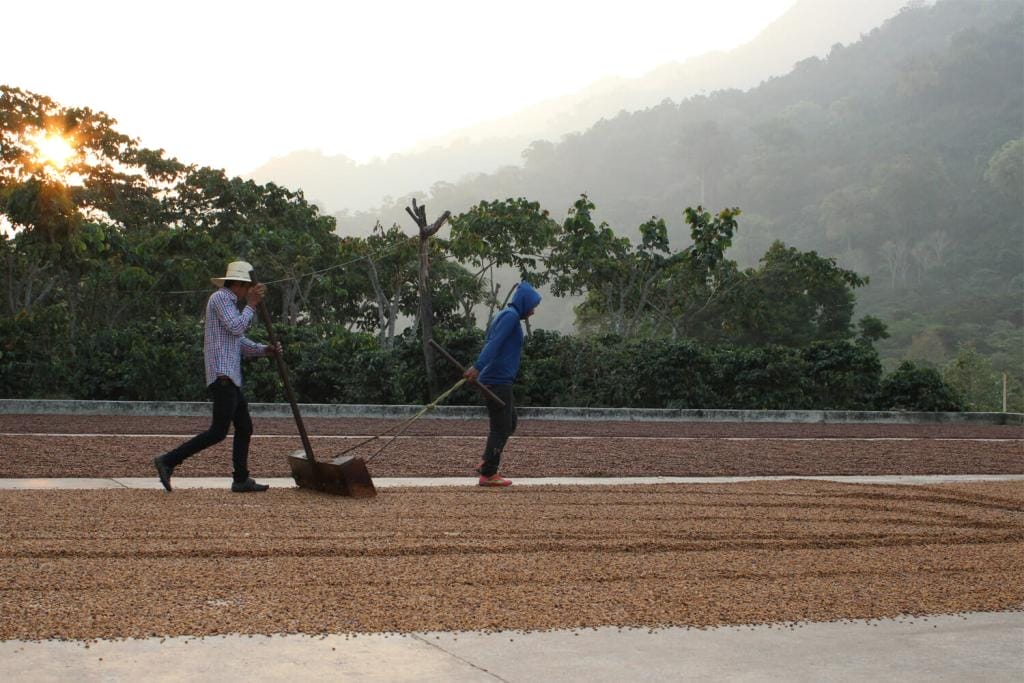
(495, 480)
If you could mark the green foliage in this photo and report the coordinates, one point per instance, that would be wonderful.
(544, 378)
(648, 373)
(35, 354)
(513, 232)
(334, 365)
(273, 228)
(43, 205)
(841, 375)
(144, 360)
(454, 290)
(872, 329)
(107, 175)
(161, 359)
(793, 299)
(711, 236)
(630, 290)
(383, 278)
(766, 378)
(917, 388)
(973, 377)
(588, 255)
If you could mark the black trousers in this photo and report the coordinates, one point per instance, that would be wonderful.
(229, 407)
(503, 425)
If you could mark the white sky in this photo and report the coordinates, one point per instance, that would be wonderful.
(231, 84)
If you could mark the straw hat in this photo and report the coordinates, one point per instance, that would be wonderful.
(237, 270)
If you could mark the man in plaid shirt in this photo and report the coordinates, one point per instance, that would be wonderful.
(224, 345)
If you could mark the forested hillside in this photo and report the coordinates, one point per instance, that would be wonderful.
(900, 154)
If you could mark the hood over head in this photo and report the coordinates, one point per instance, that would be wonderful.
(525, 299)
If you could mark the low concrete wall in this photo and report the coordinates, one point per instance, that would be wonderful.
(202, 409)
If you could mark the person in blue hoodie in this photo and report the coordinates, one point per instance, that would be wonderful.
(496, 368)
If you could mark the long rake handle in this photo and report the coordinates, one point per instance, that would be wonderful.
(283, 371)
(488, 392)
(405, 423)
(427, 408)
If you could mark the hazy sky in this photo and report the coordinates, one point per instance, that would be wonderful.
(231, 84)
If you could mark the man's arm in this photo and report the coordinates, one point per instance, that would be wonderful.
(251, 349)
(234, 322)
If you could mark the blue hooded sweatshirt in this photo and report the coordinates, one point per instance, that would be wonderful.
(498, 362)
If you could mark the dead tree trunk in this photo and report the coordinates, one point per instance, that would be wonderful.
(419, 214)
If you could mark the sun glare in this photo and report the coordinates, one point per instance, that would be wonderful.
(6, 229)
(53, 149)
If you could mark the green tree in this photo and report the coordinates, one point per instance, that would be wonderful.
(514, 232)
(872, 329)
(618, 278)
(916, 388)
(974, 378)
(689, 298)
(383, 279)
(286, 239)
(792, 299)
(98, 193)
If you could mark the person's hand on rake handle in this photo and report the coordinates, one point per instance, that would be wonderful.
(274, 350)
(471, 374)
(255, 295)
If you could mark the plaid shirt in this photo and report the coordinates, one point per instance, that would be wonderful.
(225, 342)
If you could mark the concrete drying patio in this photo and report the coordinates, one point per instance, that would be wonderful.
(970, 647)
(958, 545)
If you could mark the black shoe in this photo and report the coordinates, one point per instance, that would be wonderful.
(163, 470)
(248, 485)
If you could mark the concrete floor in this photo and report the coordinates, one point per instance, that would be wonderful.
(973, 647)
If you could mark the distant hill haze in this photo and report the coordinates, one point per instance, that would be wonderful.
(339, 184)
(899, 155)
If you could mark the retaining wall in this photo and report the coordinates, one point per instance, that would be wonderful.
(202, 409)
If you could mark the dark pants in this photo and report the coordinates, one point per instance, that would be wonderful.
(229, 407)
(503, 424)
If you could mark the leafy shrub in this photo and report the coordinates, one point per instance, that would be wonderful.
(35, 354)
(150, 360)
(912, 387)
(842, 375)
(162, 359)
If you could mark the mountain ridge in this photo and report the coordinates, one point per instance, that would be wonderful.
(340, 185)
